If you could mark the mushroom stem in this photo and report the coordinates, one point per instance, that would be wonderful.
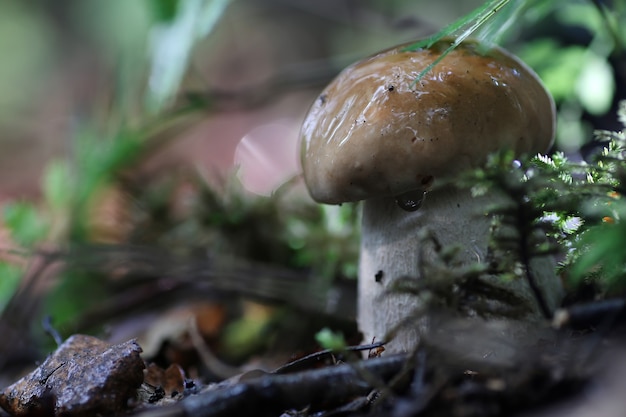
(390, 251)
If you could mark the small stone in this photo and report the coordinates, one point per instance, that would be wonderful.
(85, 376)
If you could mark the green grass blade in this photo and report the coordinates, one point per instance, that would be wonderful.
(461, 29)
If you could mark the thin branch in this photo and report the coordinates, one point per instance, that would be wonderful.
(269, 395)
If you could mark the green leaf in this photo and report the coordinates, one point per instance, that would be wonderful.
(330, 340)
(558, 67)
(100, 159)
(26, 225)
(58, 187)
(600, 249)
(164, 10)
(595, 85)
(172, 43)
(581, 15)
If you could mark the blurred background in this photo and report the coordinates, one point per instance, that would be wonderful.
(132, 122)
(258, 64)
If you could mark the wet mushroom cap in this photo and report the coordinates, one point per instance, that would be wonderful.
(374, 132)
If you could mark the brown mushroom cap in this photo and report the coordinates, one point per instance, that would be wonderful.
(373, 133)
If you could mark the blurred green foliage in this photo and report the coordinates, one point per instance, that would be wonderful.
(26, 223)
(148, 45)
(580, 77)
(279, 229)
(331, 340)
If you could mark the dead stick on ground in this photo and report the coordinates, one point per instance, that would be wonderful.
(271, 394)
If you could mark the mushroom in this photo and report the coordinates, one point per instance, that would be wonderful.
(374, 134)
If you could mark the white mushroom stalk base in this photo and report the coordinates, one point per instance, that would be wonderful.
(390, 250)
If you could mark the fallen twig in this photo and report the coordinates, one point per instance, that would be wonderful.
(300, 364)
(272, 394)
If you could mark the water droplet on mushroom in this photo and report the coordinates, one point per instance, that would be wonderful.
(411, 200)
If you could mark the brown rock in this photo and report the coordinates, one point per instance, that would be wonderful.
(85, 376)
